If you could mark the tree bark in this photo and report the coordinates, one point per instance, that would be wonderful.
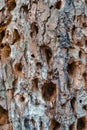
(43, 64)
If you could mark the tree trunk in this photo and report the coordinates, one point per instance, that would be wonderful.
(43, 64)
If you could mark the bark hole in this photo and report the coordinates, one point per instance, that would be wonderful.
(72, 127)
(16, 36)
(3, 115)
(85, 75)
(18, 67)
(85, 107)
(14, 82)
(2, 34)
(26, 123)
(32, 55)
(1, 46)
(48, 91)
(86, 1)
(84, 24)
(58, 4)
(41, 125)
(34, 29)
(80, 101)
(5, 50)
(73, 29)
(86, 43)
(73, 103)
(33, 122)
(81, 123)
(24, 7)
(35, 84)
(39, 65)
(11, 5)
(79, 43)
(22, 98)
(47, 52)
(80, 54)
(55, 125)
(71, 68)
(85, 79)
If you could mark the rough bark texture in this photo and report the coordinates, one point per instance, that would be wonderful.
(43, 64)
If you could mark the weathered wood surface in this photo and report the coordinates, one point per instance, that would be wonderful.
(43, 64)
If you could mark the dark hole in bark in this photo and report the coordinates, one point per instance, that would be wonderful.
(86, 43)
(80, 101)
(37, 102)
(6, 50)
(85, 75)
(41, 125)
(14, 82)
(1, 46)
(47, 51)
(48, 90)
(0, 57)
(68, 84)
(3, 115)
(58, 4)
(2, 34)
(71, 68)
(86, 1)
(16, 36)
(33, 121)
(35, 1)
(32, 55)
(55, 125)
(39, 64)
(18, 67)
(79, 43)
(22, 98)
(35, 84)
(73, 29)
(34, 29)
(58, 36)
(51, 6)
(26, 123)
(24, 7)
(84, 24)
(72, 127)
(85, 79)
(85, 107)
(81, 123)
(80, 54)
(73, 103)
(11, 5)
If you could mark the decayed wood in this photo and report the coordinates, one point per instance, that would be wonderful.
(43, 65)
